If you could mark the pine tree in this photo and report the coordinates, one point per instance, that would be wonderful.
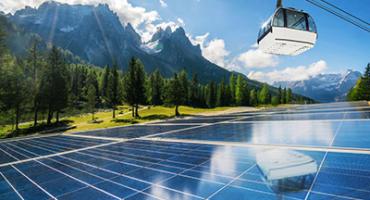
(35, 73)
(232, 84)
(175, 93)
(211, 94)
(253, 99)
(289, 96)
(183, 78)
(221, 94)
(227, 99)
(92, 79)
(280, 95)
(264, 95)
(91, 100)
(105, 82)
(194, 92)
(113, 93)
(241, 92)
(155, 88)
(284, 96)
(54, 85)
(14, 92)
(134, 84)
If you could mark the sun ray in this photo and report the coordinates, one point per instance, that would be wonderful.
(102, 31)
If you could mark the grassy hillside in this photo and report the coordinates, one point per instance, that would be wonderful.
(104, 119)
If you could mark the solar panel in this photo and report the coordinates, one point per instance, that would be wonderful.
(195, 158)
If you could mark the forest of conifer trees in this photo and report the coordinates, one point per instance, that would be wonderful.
(43, 87)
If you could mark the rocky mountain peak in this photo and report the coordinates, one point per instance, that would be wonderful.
(97, 35)
(132, 34)
(161, 34)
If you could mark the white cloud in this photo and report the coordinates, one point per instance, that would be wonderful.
(145, 22)
(255, 58)
(163, 3)
(214, 50)
(290, 73)
(150, 28)
(201, 39)
(125, 10)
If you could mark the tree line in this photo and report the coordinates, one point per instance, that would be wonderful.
(361, 91)
(44, 83)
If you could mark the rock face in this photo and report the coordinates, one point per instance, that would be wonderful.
(324, 87)
(96, 35)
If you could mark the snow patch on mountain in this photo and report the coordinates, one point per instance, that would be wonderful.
(152, 47)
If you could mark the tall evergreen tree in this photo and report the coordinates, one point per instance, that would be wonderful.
(105, 82)
(134, 85)
(289, 96)
(284, 96)
(211, 94)
(241, 92)
(232, 84)
(280, 95)
(34, 60)
(176, 93)
(14, 85)
(183, 78)
(253, 99)
(92, 79)
(221, 94)
(91, 100)
(155, 88)
(114, 97)
(227, 96)
(264, 95)
(195, 92)
(54, 85)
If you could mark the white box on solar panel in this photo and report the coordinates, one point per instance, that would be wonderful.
(278, 164)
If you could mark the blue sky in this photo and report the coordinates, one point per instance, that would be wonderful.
(227, 30)
(340, 44)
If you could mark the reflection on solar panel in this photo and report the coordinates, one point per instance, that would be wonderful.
(196, 158)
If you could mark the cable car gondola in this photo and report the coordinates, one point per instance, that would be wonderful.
(287, 32)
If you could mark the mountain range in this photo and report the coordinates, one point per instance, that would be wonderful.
(96, 35)
(324, 87)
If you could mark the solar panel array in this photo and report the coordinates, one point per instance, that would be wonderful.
(195, 158)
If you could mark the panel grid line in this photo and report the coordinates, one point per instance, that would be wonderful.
(11, 185)
(33, 182)
(322, 162)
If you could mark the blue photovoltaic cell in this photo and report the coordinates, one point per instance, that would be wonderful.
(134, 131)
(313, 133)
(34, 147)
(198, 120)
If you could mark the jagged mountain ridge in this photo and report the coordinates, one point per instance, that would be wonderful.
(96, 35)
(324, 87)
